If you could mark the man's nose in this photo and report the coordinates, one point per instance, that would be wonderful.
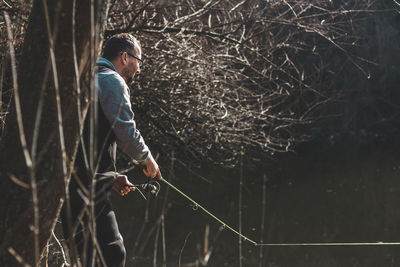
(138, 70)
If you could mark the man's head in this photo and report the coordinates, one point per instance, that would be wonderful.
(124, 51)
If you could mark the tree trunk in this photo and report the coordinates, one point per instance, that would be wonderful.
(34, 73)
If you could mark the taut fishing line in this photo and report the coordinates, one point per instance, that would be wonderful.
(245, 238)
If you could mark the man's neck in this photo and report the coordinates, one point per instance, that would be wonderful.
(119, 69)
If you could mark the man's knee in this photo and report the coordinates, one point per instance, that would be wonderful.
(115, 254)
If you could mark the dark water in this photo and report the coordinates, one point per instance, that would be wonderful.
(321, 194)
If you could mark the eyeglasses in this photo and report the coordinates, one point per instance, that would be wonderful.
(135, 57)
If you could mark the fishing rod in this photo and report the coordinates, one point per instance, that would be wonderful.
(154, 188)
(245, 238)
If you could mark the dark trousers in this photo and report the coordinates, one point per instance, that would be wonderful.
(79, 238)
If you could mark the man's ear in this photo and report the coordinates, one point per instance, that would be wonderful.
(124, 58)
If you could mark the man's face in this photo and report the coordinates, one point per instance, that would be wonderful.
(132, 65)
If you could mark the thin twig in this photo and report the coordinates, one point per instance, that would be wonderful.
(47, 254)
(28, 160)
(150, 233)
(3, 71)
(39, 110)
(264, 203)
(93, 125)
(163, 211)
(7, 4)
(27, 156)
(18, 257)
(156, 243)
(61, 249)
(51, 36)
(144, 224)
(94, 160)
(183, 246)
(93, 95)
(76, 70)
(240, 207)
(397, 3)
(18, 182)
(92, 235)
(56, 87)
(206, 238)
(164, 247)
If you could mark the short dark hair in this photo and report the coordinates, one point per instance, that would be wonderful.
(119, 43)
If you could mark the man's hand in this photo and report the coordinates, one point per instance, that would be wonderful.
(122, 185)
(151, 169)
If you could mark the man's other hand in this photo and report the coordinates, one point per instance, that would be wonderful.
(151, 169)
(122, 185)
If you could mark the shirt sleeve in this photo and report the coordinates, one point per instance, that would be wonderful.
(115, 101)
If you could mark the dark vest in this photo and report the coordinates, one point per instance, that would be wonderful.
(104, 140)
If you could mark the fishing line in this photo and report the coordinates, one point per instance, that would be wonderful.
(330, 244)
(245, 238)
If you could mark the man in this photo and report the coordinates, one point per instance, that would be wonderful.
(121, 61)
